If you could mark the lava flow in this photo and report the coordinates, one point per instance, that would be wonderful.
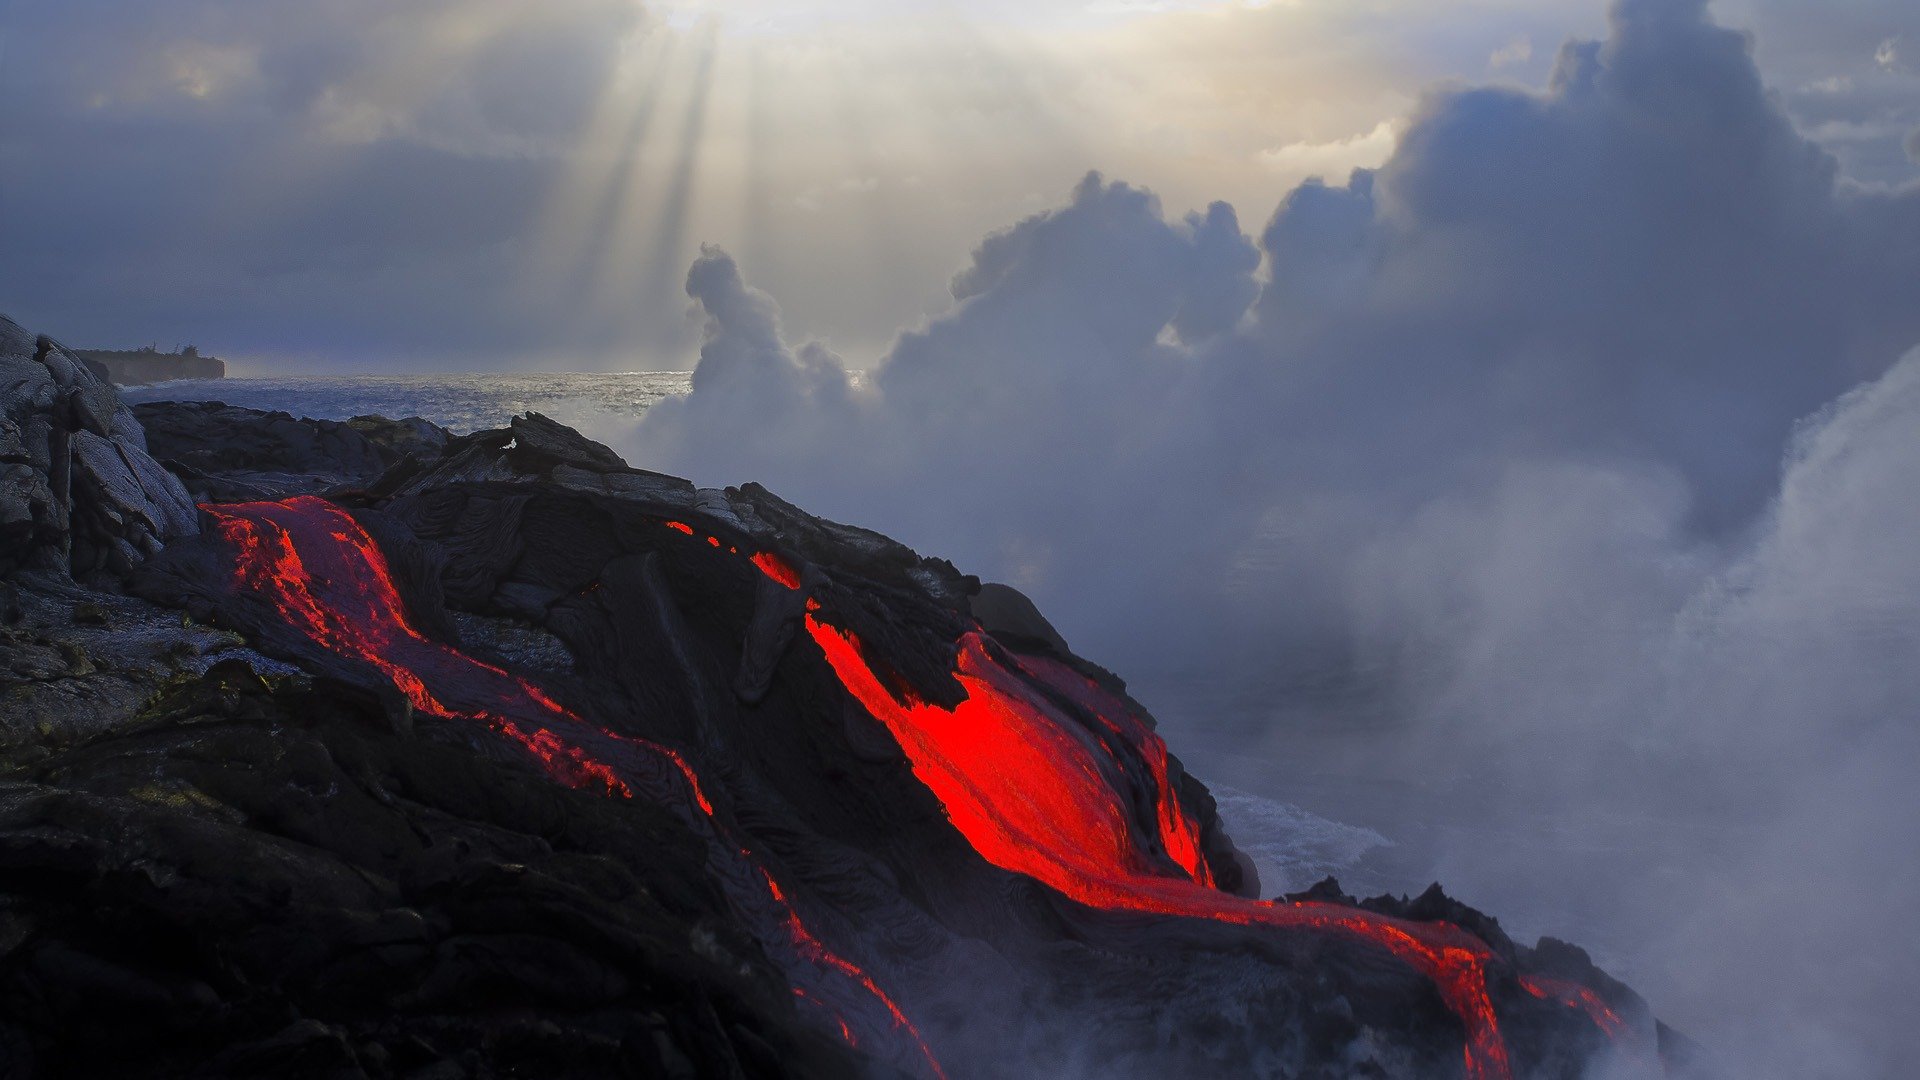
(1026, 789)
(326, 579)
(1179, 833)
(1029, 795)
(1574, 996)
(1032, 791)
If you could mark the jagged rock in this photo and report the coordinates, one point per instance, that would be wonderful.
(75, 475)
(540, 442)
(131, 488)
(78, 663)
(1005, 610)
(264, 883)
(555, 777)
(410, 436)
(25, 500)
(230, 453)
(533, 448)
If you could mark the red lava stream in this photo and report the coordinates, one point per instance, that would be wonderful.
(1029, 795)
(1024, 786)
(328, 580)
(1029, 789)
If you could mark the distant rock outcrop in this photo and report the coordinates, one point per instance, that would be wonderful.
(139, 367)
(78, 491)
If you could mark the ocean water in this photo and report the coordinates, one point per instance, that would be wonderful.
(1293, 848)
(461, 403)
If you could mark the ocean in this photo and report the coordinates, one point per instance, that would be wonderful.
(459, 402)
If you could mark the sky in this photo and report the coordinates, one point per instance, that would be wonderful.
(354, 185)
(1511, 410)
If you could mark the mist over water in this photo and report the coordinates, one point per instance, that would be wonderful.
(1542, 502)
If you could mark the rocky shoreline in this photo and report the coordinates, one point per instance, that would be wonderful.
(501, 757)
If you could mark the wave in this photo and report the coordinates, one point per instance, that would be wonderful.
(1291, 847)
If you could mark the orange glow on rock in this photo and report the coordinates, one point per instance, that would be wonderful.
(1024, 787)
(1032, 791)
(1179, 833)
(1575, 996)
(328, 580)
(777, 568)
(1026, 790)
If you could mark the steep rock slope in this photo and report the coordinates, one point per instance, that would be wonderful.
(570, 768)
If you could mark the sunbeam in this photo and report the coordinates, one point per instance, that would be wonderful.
(665, 258)
(1485, 433)
(574, 242)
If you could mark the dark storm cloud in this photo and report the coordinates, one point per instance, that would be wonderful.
(308, 178)
(1575, 439)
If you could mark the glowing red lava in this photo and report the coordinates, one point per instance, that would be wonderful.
(1032, 791)
(1179, 833)
(328, 580)
(1027, 788)
(1028, 792)
(1574, 996)
(777, 568)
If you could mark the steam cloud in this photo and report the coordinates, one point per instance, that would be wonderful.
(1576, 440)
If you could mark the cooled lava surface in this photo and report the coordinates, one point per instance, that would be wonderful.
(626, 777)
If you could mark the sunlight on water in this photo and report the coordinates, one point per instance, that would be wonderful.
(461, 403)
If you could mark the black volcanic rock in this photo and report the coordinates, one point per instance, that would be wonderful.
(79, 492)
(230, 453)
(252, 866)
(262, 882)
(1007, 614)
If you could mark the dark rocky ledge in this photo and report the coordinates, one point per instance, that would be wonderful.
(226, 850)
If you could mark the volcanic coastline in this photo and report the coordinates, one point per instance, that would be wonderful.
(367, 750)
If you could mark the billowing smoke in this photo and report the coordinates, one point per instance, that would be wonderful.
(1569, 455)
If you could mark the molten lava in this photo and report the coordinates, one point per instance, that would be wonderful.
(1574, 996)
(327, 579)
(1029, 794)
(1179, 833)
(777, 568)
(1031, 790)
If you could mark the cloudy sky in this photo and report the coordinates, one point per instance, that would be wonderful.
(1545, 472)
(357, 185)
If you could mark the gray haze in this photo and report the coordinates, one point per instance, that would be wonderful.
(1571, 455)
